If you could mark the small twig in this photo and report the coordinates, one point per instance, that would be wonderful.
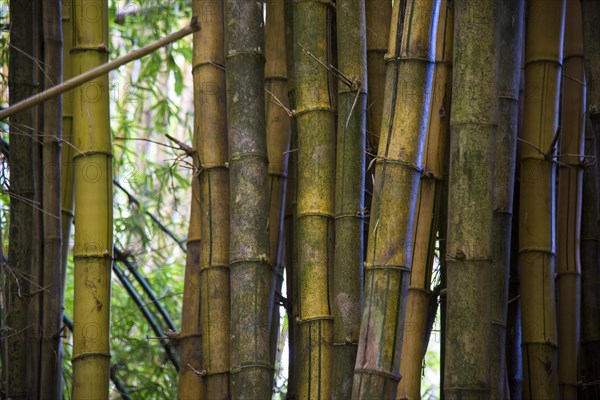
(190, 151)
(149, 140)
(287, 110)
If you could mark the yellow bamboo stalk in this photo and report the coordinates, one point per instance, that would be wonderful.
(211, 132)
(543, 58)
(570, 176)
(428, 207)
(278, 120)
(409, 82)
(315, 191)
(93, 204)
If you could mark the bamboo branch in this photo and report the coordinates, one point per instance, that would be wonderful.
(99, 71)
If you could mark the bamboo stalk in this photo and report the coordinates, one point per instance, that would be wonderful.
(426, 221)
(409, 82)
(378, 16)
(22, 185)
(249, 237)
(571, 143)
(99, 70)
(315, 191)
(93, 206)
(278, 120)
(469, 256)
(590, 274)
(349, 192)
(290, 219)
(52, 298)
(192, 384)
(543, 57)
(510, 39)
(211, 142)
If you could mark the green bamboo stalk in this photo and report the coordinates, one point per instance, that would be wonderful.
(469, 256)
(315, 193)
(509, 28)
(543, 58)
(93, 205)
(349, 192)
(249, 237)
(409, 83)
(571, 143)
(22, 186)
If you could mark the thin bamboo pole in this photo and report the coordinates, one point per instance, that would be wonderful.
(98, 71)
(378, 15)
(278, 120)
(409, 83)
(571, 144)
(426, 223)
(93, 205)
(543, 58)
(510, 20)
(590, 275)
(52, 297)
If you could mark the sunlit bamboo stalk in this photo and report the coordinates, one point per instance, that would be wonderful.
(93, 204)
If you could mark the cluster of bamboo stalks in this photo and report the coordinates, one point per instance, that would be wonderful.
(344, 146)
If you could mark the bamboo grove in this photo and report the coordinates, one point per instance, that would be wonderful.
(362, 177)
